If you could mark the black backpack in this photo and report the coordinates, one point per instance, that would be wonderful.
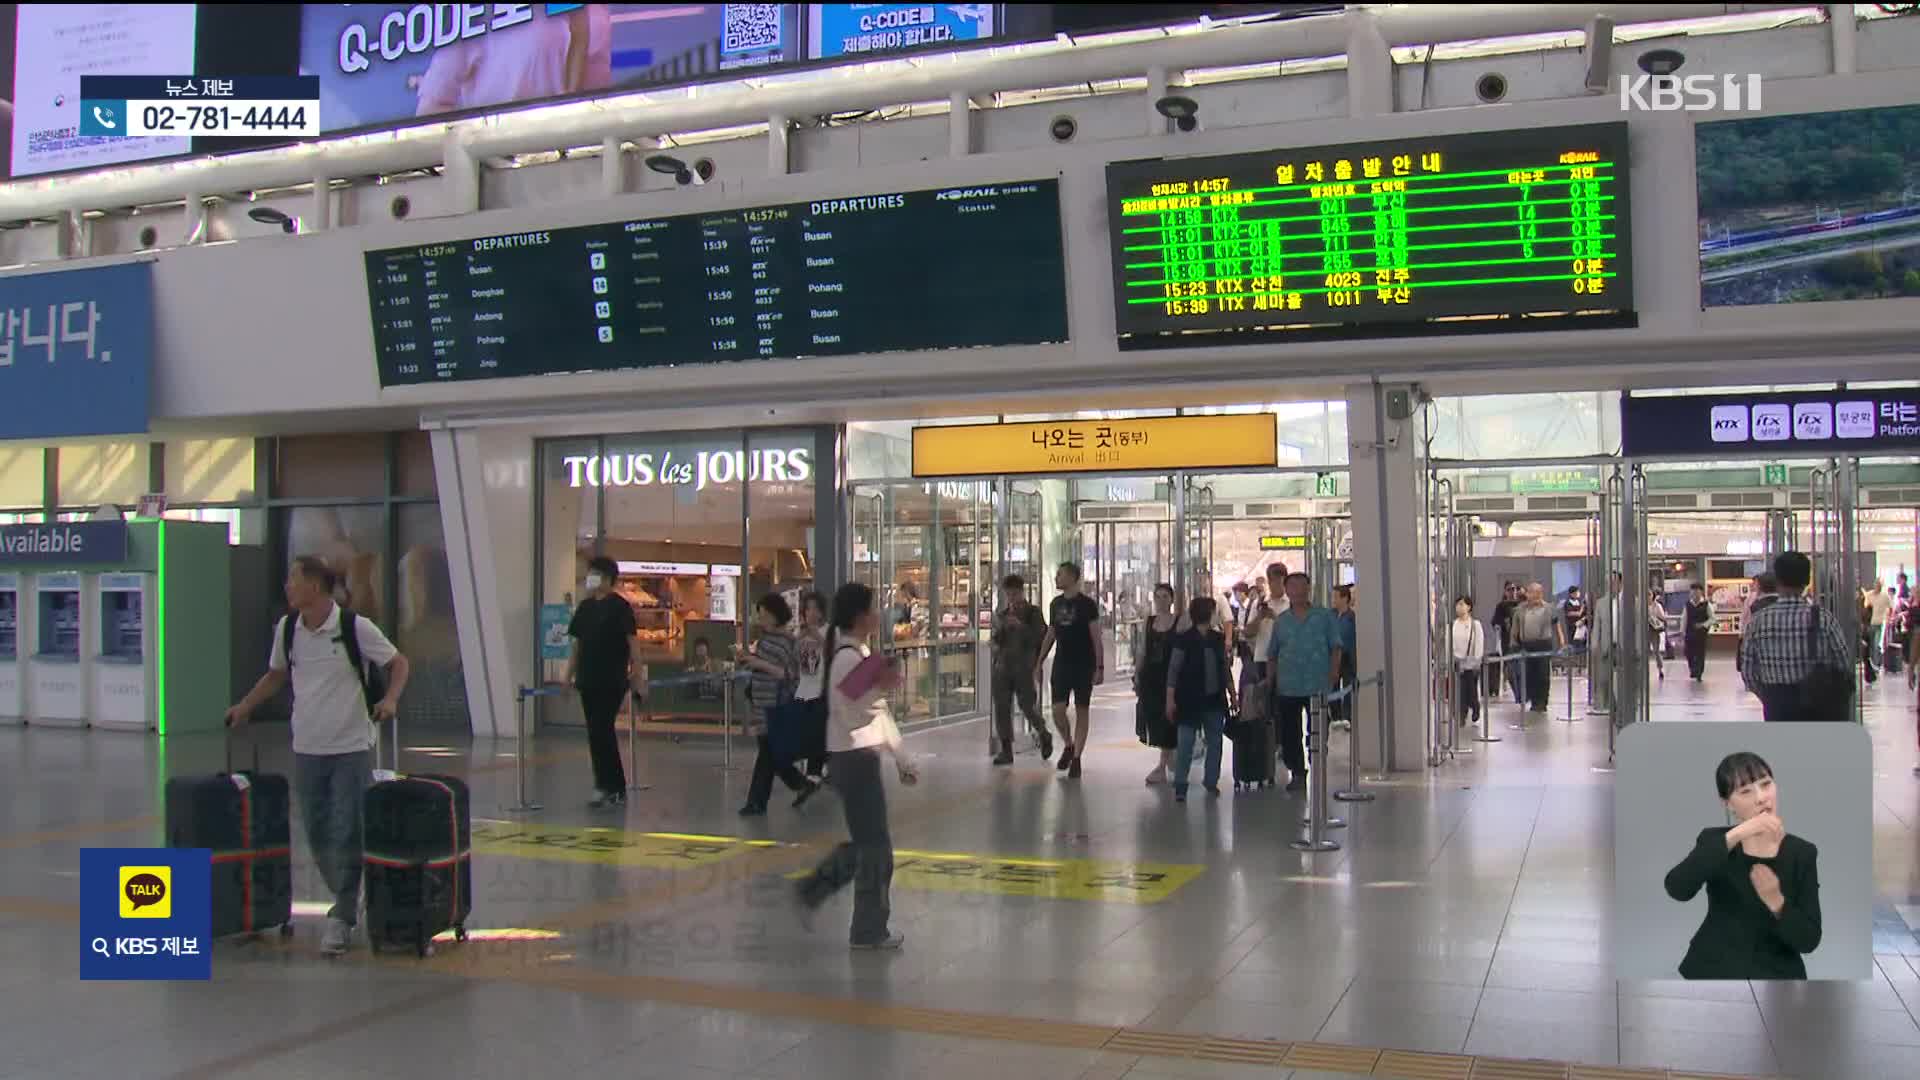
(373, 678)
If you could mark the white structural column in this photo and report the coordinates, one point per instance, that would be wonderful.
(486, 491)
(1390, 585)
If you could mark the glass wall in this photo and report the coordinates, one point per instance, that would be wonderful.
(1519, 426)
(702, 525)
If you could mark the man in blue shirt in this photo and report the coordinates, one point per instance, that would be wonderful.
(1349, 634)
(1303, 658)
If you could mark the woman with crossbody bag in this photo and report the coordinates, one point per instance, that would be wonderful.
(775, 666)
(860, 733)
(1469, 650)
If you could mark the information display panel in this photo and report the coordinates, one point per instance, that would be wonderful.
(1136, 444)
(947, 269)
(1449, 233)
(1823, 422)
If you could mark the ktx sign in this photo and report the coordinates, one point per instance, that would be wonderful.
(1691, 93)
(1837, 421)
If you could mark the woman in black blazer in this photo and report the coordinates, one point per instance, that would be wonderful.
(1763, 887)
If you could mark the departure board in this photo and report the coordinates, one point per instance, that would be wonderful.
(947, 269)
(1448, 233)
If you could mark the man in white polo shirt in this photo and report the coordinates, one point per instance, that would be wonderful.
(332, 735)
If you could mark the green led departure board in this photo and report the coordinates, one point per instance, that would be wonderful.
(1503, 230)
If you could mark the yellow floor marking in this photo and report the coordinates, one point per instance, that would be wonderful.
(1048, 879)
(606, 847)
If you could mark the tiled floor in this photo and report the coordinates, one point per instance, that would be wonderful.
(1467, 913)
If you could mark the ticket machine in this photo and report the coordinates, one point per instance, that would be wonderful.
(123, 669)
(59, 667)
(13, 688)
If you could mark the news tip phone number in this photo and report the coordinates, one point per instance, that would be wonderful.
(260, 118)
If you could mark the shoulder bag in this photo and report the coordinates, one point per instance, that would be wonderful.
(1827, 691)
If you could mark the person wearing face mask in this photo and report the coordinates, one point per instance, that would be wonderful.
(601, 668)
(1762, 883)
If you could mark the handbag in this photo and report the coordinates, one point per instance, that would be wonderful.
(1826, 693)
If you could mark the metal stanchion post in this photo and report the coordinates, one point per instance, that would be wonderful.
(1352, 792)
(1569, 718)
(522, 805)
(726, 723)
(640, 700)
(1316, 819)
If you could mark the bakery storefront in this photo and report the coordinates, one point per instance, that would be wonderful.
(702, 524)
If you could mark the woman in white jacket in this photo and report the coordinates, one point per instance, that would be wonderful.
(860, 730)
(1467, 642)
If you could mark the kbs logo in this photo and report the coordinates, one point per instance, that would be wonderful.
(1692, 93)
(146, 892)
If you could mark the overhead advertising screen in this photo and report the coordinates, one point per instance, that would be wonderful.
(856, 30)
(1488, 231)
(1777, 425)
(1819, 206)
(384, 64)
(55, 44)
(947, 269)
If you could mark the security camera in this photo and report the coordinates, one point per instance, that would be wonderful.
(1063, 128)
(400, 207)
(667, 165)
(1183, 111)
(1662, 63)
(1491, 87)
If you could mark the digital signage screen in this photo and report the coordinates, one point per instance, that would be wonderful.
(1818, 206)
(1507, 230)
(852, 31)
(946, 269)
(53, 45)
(389, 64)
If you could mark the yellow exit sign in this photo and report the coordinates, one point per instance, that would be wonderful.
(1148, 444)
(1283, 543)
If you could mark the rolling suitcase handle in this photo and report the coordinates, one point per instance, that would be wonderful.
(378, 772)
(228, 744)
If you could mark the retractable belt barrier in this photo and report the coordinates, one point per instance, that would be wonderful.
(523, 737)
(1377, 680)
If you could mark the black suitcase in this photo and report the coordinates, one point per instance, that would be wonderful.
(418, 861)
(243, 818)
(1253, 755)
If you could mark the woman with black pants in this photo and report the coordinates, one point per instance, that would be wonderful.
(860, 730)
(774, 661)
(1698, 618)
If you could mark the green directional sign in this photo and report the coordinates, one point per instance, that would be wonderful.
(1775, 475)
(1326, 486)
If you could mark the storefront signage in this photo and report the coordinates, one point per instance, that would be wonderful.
(67, 542)
(1282, 543)
(1544, 481)
(76, 349)
(1246, 440)
(1825, 422)
(697, 470)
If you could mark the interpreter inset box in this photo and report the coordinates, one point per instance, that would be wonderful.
(1743, 852)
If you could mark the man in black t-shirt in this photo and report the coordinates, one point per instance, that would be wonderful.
(601, 667)
(1503, 626)
(1073, 628)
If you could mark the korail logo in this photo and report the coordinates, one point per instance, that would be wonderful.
(1691, 93)
(1730, 423)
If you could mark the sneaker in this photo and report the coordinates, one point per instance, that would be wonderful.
(1073, 771)
(890, 943)
(1213, 790)
(806, 793)
(1046, 744)
(616, 799)
(1179, 795)
(338, 937)
(751, 810)
(1004, 757)
(1066, 758)
(599, 800)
